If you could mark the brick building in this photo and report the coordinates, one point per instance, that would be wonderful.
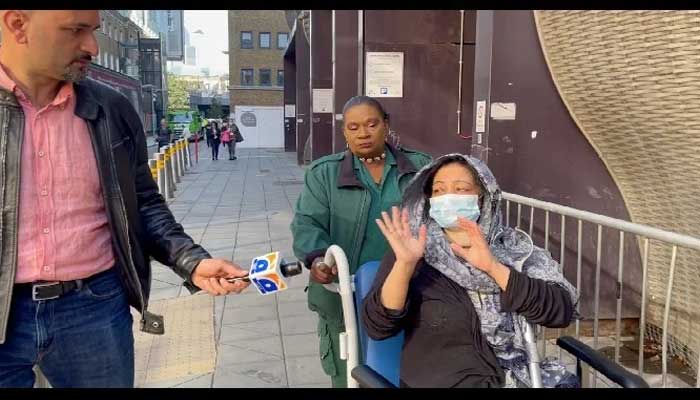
(257, 39)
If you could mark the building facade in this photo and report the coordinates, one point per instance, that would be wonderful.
(257, 39)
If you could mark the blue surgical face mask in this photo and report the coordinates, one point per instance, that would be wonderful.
(447, 208)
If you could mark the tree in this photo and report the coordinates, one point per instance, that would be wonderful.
(215, 111)
(179, 90)
(178, 94)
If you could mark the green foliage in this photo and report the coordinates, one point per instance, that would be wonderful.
(179, 90)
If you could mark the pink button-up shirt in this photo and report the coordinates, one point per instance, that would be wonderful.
(63, 227)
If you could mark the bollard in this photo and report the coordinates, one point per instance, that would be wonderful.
(181, 156)
(160, 166)
(196, 149)
(170, 180)
(174, 164)
(176, 160)
(188, 156)
(154, 169)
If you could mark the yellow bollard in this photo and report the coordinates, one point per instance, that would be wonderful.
(154, 170)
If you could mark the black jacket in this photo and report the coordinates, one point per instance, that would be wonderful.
(443, 345)
(140, 222)
(164, 135)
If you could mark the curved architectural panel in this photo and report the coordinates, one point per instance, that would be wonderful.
(631, 81)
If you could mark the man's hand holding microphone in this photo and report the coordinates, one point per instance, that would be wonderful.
(221, 277)
(212, 275)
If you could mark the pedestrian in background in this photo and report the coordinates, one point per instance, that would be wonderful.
(215, 140)
(81, 213)
(236, 138)
(227, 141)
(164, 134)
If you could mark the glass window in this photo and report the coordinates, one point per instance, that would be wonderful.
(282, 40)
(246, 77)
(265, 78)
(280, 77)
(246, 40)
(264, 40)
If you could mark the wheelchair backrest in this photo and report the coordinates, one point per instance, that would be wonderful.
(384, 356)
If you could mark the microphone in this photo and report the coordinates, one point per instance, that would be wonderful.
(268, 273)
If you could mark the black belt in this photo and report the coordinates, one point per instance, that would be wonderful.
(53, 290)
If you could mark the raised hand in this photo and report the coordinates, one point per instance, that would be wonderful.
(477, 253)
(407, 248)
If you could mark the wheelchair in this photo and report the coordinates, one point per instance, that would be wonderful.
(381, 358)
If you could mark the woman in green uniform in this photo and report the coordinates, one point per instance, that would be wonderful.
(343, 194)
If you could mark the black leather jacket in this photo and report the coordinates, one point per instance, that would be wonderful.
(141, 224)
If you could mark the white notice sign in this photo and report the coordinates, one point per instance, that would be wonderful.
(322, 100)
(384, 74)
(481, 116)
(290, 111)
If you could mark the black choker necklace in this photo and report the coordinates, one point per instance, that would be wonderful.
(370, 160)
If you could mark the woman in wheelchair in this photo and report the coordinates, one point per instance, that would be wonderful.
(462, 285)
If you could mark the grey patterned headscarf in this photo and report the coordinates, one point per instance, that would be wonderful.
(504, 331)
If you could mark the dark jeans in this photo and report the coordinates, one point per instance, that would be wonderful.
(215, 149)
(231, 149)
(81, 339)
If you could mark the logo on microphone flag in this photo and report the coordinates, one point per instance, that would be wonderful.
(264, 273)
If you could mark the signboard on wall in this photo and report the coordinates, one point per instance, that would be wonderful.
(384, 74)
(322, 100)
(175, 37)
(248, 119)
(290, 110)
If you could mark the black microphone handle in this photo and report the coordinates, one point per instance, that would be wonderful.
(290, 268)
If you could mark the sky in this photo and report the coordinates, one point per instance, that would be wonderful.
(214, 39)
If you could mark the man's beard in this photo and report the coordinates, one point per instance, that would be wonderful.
(74, 73)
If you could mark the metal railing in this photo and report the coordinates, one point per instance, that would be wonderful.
(644, 233)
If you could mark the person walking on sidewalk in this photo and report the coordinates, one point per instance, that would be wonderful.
(165, 135)
(236, 138)
(342, 196)
(229, 137)
(81, 214)
(226, 139)
(207, 133)
(215, 140)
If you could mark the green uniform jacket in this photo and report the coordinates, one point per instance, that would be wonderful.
(333, 209)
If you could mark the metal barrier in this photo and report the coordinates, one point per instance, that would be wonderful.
(643, 232)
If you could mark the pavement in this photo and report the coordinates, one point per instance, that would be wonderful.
(236, 210)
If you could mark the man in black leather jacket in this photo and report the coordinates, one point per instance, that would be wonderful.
(78, 330)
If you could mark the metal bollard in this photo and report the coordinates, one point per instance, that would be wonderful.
(170, 178)
(181, 157)
(175, 166)
(176, 160)
(162, 185)
(188, 158)
(196, 149)
(152, 164)
(189, 155)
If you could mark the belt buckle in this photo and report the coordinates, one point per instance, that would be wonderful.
(40, 285)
